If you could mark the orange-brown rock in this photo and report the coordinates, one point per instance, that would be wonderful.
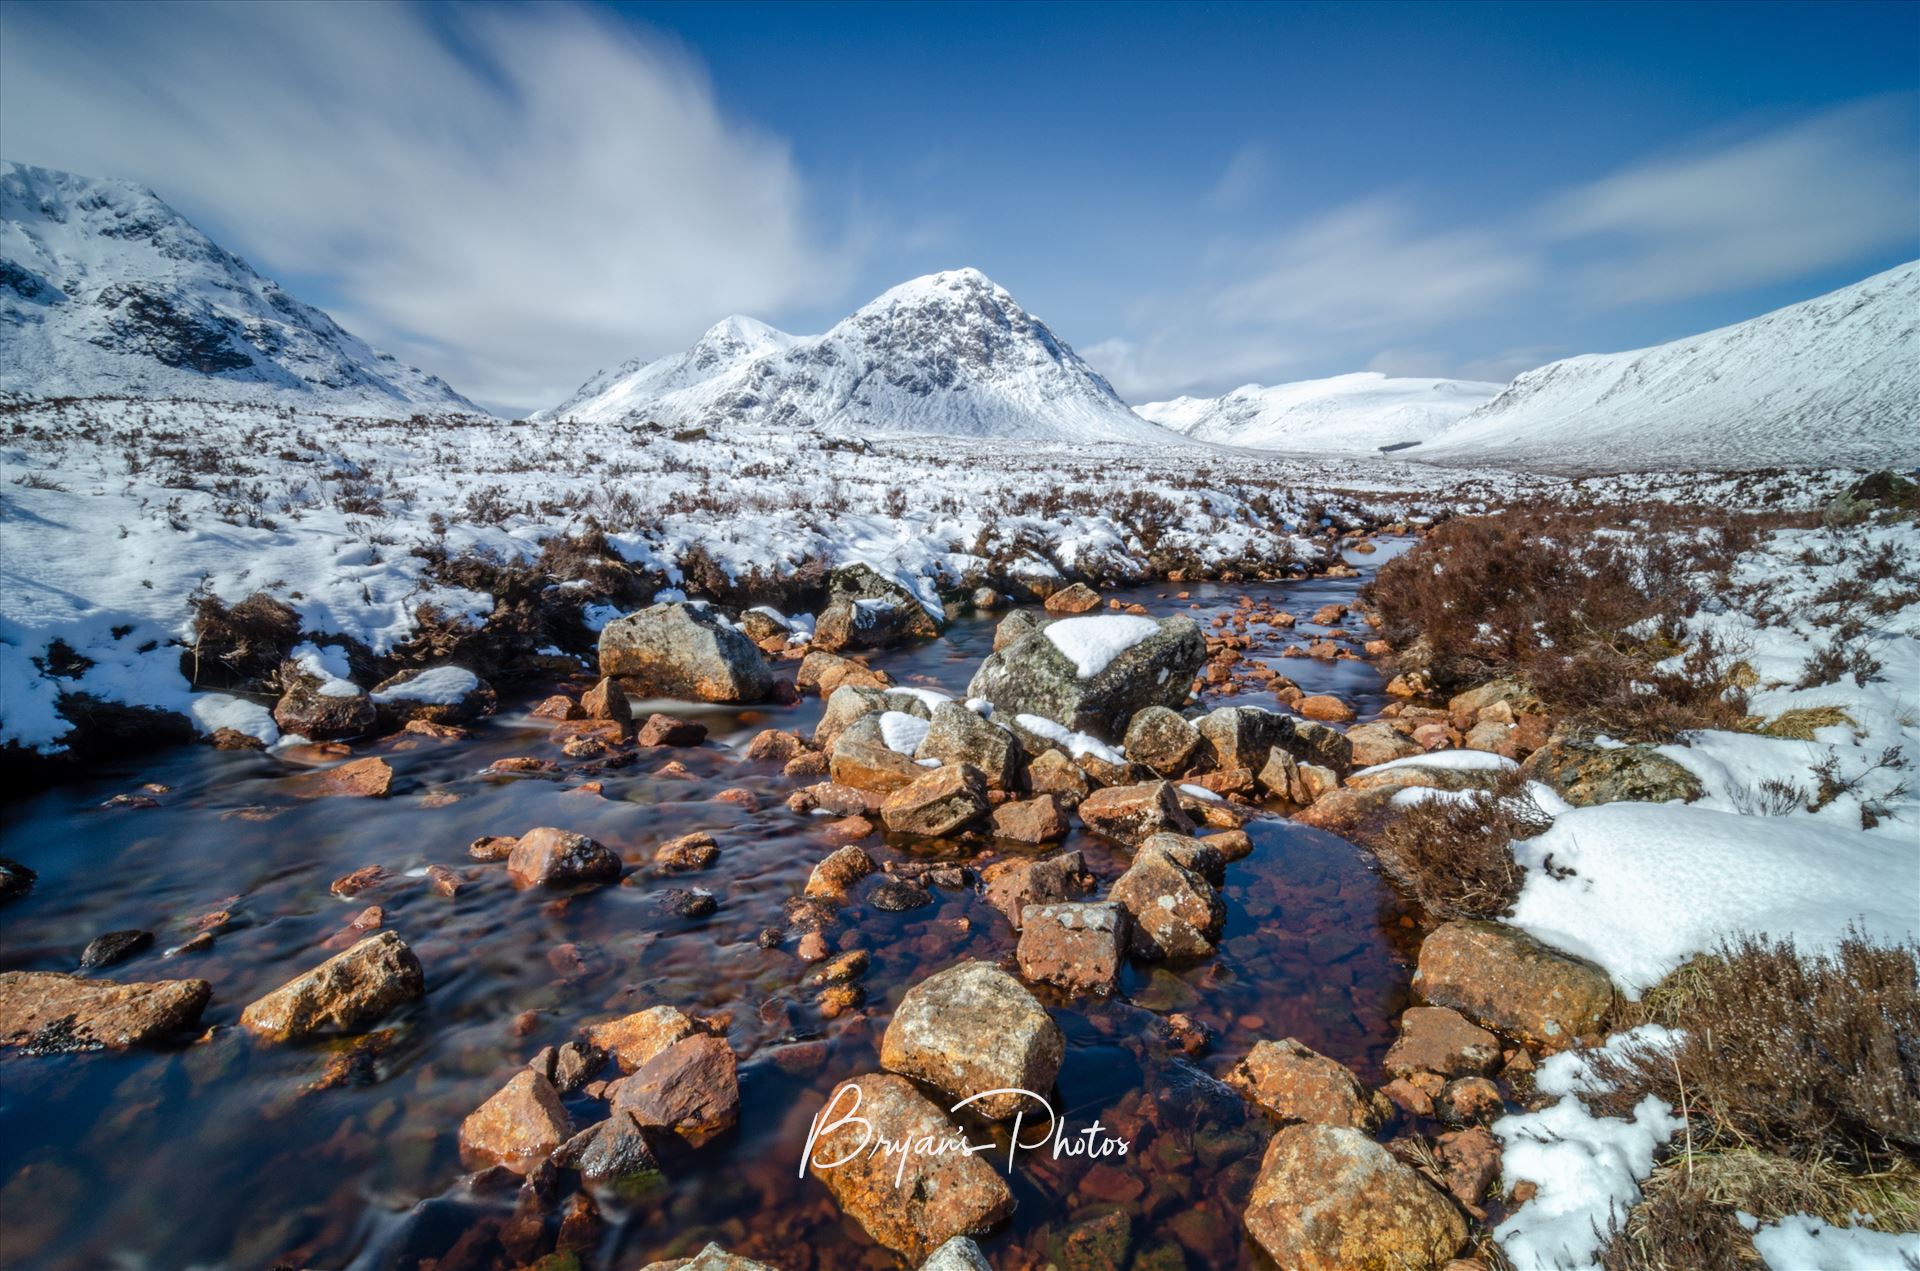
(1329, 1198)
(344, 994)
(1129, 814)
(691, 1088)
(607, 700)
(1512, 983)
(1078, 947)
(559, 858)
(1010, 886)
(47, 1011)
(1325, 707)
(360, 778)
(1291, 1082)
(518, 1127)
(938, 803)
(1439, 1039)
(1040, 819)
(910, 1203)
(671, 730)
(634, 1039)
(1076, 599)
(687, 852)
(557, 707)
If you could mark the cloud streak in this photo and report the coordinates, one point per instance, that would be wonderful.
(510, 196)
(1767, 209)
(1371, 282)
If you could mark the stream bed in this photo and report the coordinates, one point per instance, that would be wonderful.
(227, 1152)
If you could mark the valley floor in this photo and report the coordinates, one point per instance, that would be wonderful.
(1600, 742)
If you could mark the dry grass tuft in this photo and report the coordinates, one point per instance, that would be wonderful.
(1813, 1058)
(1801, 723)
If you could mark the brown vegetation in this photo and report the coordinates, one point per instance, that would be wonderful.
(1801, 1080)
(1585, 605)
(1456, 855)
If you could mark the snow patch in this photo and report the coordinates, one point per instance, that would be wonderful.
(1092, 644)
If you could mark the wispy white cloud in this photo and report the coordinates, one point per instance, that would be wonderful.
(1245, 176)
(513, 196)
(1769, 208)
(1380, 285)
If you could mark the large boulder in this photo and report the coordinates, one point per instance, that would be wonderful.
(1093, 674)
(1011, 886)
(941, 802)
(48, 1011)
(318, 703)
(1131, 814)
(911, 1202)
(1241, 737)
(685, 651)
(1512, 983)
(973, 1028)
(437, 694)
(867, 610)
(1586, 773)
(960, 736)
(1163, 740)
(518, 1127)
(1078, 947)
(344, 994)
(1329, 1198)
(1176, 912)
(1292, 1082)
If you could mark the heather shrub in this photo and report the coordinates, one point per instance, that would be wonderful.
(1455, 855)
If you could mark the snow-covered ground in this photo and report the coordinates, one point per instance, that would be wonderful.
(1835, 379)
(1346, 414)
(117, 512)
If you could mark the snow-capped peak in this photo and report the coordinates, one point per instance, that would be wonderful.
(949, 353)
(105, 289)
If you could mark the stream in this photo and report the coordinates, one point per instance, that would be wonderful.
(218, 1151)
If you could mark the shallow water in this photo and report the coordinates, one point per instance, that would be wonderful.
(215, 1153)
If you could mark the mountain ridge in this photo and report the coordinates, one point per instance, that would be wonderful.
(945, 354)
(106, 290)
(1830, 380)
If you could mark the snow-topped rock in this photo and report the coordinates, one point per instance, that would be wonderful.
(949, 354)
(1346, 414)
(1833, 380)
(106, 290)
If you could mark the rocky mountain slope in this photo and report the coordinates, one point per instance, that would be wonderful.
(1833, 380)
(106, 290)
(948, 354)
(1346, 414)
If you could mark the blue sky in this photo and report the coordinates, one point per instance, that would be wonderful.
(1194, 197)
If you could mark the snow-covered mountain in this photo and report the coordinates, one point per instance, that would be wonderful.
(105, 290)
(950, 354)
(1833, 380)
(1346, 414)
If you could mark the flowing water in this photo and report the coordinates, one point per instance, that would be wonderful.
(218, 1152)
